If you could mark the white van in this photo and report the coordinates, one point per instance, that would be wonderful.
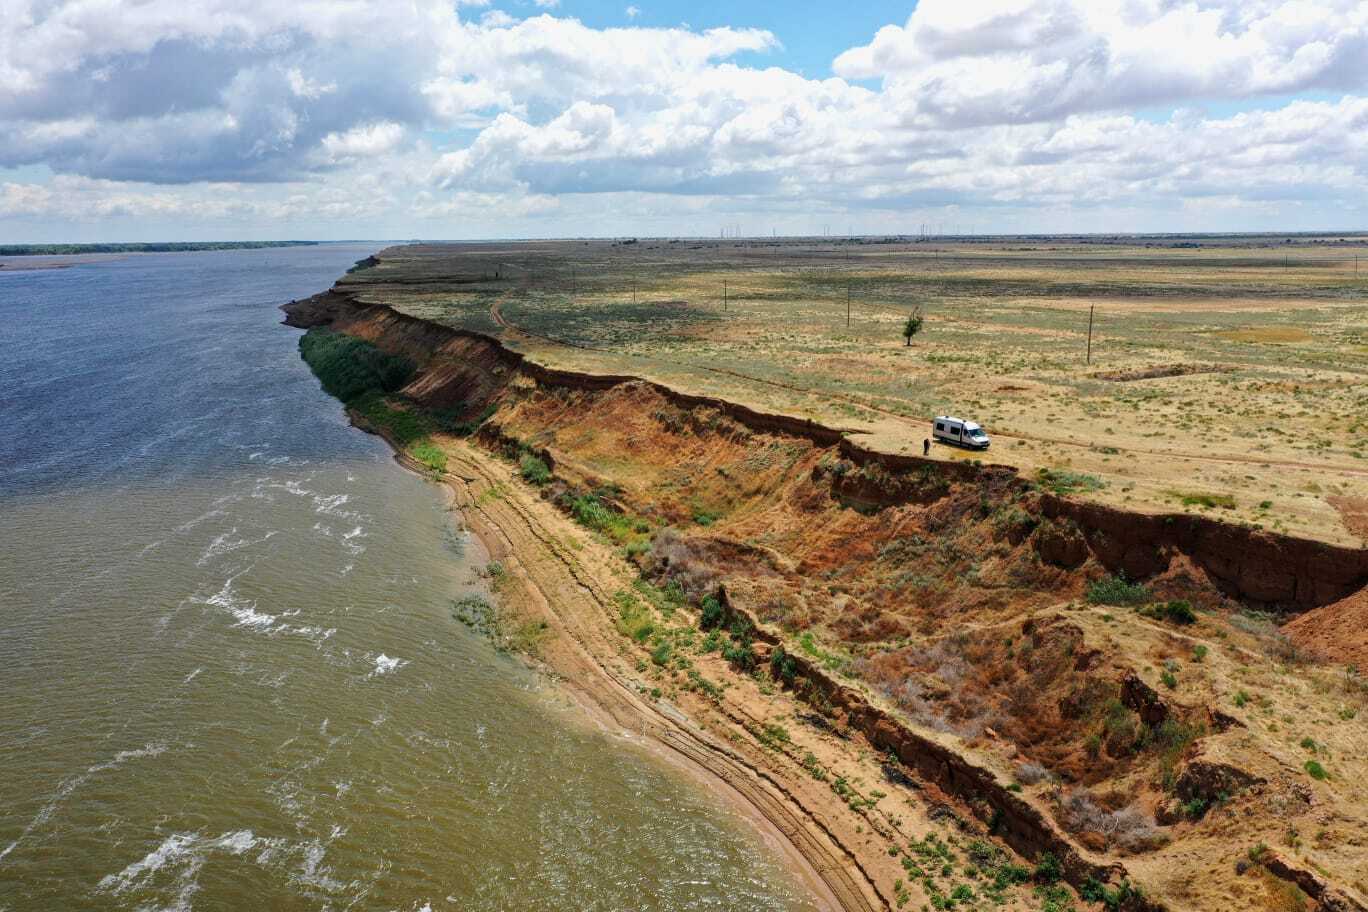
(959, 432)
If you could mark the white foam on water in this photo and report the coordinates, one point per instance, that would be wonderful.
(386, 665)
(192, 675)
(313, 872)
(226, 544)
(151, 749)
(329, 503)
(248, 617)
(173, 849)
(238, 842)
(182, 855)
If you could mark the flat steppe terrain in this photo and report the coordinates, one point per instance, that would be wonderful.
(1228, 375)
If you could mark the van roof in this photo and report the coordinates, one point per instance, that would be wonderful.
(963, 421)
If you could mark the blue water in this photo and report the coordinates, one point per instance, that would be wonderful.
(229, 671)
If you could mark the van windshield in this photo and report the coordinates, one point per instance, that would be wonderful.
(976, 432)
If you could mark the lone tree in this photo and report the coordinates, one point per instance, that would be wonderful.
(913, 325)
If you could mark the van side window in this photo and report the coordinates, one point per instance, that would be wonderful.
(940, 426)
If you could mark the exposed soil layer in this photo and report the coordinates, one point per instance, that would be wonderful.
(1337, 632)
(929, 611)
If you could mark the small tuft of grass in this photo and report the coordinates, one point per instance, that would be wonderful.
(1316, 771)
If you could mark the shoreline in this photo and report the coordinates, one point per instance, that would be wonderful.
(611, 705)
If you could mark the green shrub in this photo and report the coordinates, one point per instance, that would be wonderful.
(1180, 612)
(739, 653)
(450, 422)
(712, 614)
(1093, 891)
(1209, 501)
(1196, 808)
(661, 653)
(1048, 869)
(349, 367)
(1316, 771)
(534, 470)
(405, 426)
(782, 665)
(1115, 590)
(1199, 652)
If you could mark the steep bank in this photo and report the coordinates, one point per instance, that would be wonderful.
(879, 580)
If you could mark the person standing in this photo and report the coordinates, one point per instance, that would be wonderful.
(926, 447)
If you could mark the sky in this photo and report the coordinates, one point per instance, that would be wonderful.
(393, 119)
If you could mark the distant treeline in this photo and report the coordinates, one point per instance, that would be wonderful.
(171, 247)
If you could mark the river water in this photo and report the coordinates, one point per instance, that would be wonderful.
(229, 673)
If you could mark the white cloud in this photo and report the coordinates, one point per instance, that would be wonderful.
(1008, 104)
(1022, 61)
(362, 142)
(632, 12)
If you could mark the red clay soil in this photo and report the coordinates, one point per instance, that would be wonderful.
(1335, 633)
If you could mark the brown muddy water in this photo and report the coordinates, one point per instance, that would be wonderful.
(229, 673)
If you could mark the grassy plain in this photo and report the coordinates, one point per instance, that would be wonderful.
(1228, 375)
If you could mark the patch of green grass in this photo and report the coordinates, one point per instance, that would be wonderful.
(1208, 501)
(1116, 590)
(1316, 771)
(534, 470)
(1066, 481)
(431, 456)
(590, 511)
(634, 619)
(502, 632)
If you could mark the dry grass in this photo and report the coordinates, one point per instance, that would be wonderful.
(1278, 428)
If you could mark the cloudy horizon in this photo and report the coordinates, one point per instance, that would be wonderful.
(330, 119)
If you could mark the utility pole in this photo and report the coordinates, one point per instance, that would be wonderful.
(1091, 308)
